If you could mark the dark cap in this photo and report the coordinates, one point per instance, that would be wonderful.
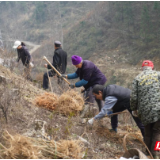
(57, 42)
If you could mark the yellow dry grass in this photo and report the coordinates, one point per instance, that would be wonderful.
(18, 147)
(21, 147)
(47, 100)
(69, 102)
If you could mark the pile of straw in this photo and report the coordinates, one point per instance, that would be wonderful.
(20, 147)
(67, 149)
(69, 102)
(47, 100)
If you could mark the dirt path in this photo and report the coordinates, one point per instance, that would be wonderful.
(35, 46)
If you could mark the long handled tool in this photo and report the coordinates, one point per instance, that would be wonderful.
(117, 113)
(54, 69)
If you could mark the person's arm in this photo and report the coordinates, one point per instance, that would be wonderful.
(18, 58)
(81, 83)
(28, 55)
(72, 76)
(134, 96)
(110, 101)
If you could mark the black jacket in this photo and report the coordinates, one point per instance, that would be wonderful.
(59, 60)
(122, 94)
(24, 55)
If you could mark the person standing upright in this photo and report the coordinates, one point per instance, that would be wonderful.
(59, 62)
(145, 103)
(25, 57)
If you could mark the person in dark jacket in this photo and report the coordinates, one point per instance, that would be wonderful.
(25, 57)
(59, 62)
(89, 76)
(117, 99)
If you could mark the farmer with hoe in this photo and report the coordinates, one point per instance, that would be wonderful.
(145, 103)
(89, 76)
(59, 62)
(117, 99)
(25, 57)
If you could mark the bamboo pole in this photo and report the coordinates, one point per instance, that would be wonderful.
(49, 81)
(116, 113)
(55, 69)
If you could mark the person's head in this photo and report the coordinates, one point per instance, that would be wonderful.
(147, 63)
(17, 45)
(57, 44)
(98, 91)
(77, 61)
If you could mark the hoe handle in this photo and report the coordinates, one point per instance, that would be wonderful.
(54, 69)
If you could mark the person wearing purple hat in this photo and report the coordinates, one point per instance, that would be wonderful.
(89, 76)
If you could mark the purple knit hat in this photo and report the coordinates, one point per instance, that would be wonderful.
(76, 59)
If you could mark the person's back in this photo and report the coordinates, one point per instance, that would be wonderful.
(148, 100)
(24, 55)
(60, 64)
(92, 73)
(145, 100)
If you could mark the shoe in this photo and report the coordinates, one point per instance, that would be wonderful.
(113, 130)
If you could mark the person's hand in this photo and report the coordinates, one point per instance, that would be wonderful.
(109, 113)
(63, 76)
(134, 113)
(72, 86)
(45, 66)
(90, 122)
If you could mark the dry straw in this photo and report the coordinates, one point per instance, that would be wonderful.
(47, 100)
(69, 102)
(18, 147)
(21, 147)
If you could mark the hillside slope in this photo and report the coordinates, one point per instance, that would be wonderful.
(130, 27)
(25, 118)
(114, 30)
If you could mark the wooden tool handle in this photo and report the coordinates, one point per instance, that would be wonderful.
(54, 68)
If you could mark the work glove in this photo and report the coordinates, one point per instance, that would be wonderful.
(134, 113)
(90, 122)
(72, 86)
(109, 113)
(63, 76)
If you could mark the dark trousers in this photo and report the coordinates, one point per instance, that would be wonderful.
(120, 108)
(152, 134)
(90, 98)
(45, 78)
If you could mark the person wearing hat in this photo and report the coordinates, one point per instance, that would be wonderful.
(117, 99)
(145, 103)
(59, 62)
(25, 57)
(89, 75)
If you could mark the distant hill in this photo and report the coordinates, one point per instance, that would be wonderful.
(39, 20)
(117, 36)
(130, 27)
